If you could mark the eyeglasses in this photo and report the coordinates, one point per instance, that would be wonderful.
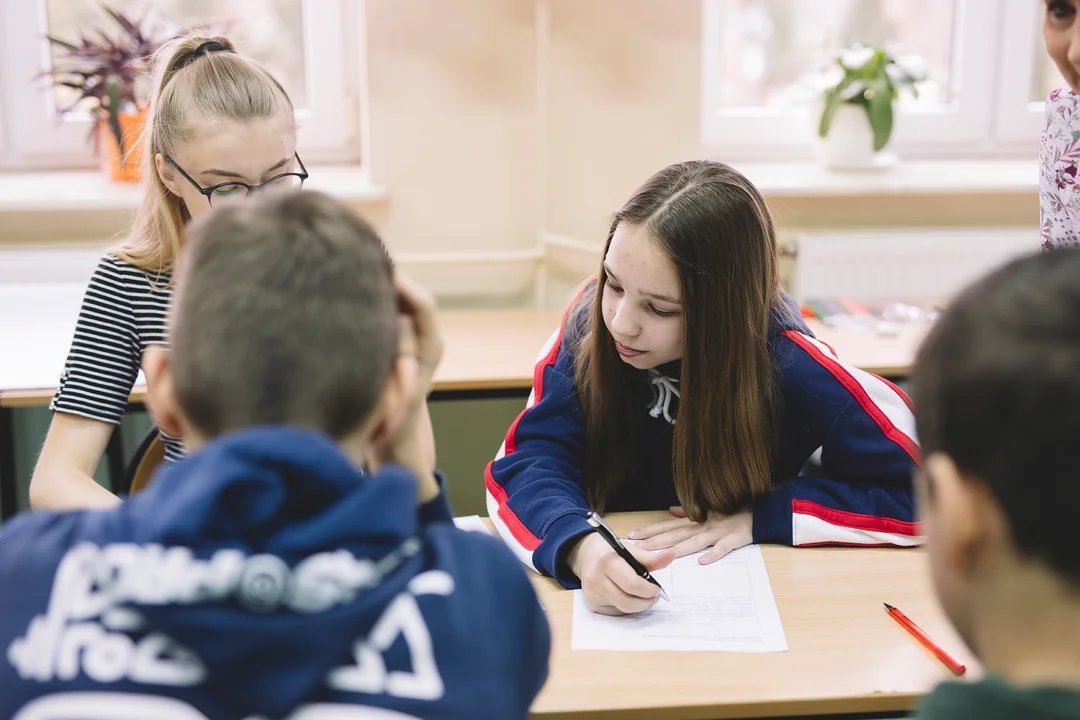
(232, 192)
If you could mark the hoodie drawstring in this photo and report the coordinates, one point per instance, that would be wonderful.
(664, 388)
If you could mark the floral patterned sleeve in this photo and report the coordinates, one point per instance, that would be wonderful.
(1059, 156)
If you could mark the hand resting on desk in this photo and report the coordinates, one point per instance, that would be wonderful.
(610, 585)
(685, 537)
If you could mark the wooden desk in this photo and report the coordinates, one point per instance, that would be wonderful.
(846, 655)
(488, 353)
(492, 350)
(486, 350)
(890, 356)
(496, 350)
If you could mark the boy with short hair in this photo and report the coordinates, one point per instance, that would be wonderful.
(997, 396)
(265, 575)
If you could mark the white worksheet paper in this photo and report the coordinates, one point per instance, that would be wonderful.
(471, 522)
(727, 606)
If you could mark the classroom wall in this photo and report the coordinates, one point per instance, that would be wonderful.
(453, 122)
(461, 126)
(623, 98)
(454, 129)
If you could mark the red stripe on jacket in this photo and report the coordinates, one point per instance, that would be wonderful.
(855, 521)
(853, 386)
(525, 537)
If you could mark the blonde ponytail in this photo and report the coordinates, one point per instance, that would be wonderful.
(190, 86)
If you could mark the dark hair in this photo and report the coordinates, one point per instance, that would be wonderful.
(285, 314)
(997, 388)
(717, 231)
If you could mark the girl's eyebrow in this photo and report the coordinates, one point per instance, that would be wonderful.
(229, 174)
(654, 296)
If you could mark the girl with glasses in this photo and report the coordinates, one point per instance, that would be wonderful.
(220, 127)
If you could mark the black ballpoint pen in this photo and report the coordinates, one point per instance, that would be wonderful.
(605, 532)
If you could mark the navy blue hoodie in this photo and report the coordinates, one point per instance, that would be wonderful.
(841, 469)
(265, 576)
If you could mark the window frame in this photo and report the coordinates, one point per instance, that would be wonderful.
(979, 121)
(1019, 118)
(328, 129)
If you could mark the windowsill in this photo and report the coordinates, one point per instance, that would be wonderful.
(91, 190)
(907, 177)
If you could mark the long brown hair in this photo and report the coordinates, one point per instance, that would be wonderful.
(716, 229)
(190, 88)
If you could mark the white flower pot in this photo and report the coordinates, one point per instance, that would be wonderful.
(850, 142)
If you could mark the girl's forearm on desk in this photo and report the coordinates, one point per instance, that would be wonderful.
(68, 489)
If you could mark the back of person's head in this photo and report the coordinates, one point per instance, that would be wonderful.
(716, 230)
(285, 314)
(996, 387)
(199, 84)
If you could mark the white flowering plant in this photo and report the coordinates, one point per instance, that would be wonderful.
(871, 77)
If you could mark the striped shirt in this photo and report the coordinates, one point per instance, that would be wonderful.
(123, 313)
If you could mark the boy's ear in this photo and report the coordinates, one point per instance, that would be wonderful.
(397, 397)
(161, 391)
(960, 509)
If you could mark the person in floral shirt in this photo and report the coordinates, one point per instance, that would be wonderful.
(1059, 149)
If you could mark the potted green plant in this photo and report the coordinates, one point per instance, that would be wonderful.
(858, 106)
(108, 70)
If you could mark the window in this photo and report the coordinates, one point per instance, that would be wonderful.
(1027, 75)
(304, 43)
(986, 66)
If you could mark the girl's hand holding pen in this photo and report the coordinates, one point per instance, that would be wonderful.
(610, 585)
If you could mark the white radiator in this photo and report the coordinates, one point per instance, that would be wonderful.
(913, 264)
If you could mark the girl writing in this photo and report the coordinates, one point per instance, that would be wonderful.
(683, 378)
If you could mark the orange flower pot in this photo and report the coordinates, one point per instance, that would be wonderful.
(126, 168)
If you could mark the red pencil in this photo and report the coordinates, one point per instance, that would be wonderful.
(905, 622)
